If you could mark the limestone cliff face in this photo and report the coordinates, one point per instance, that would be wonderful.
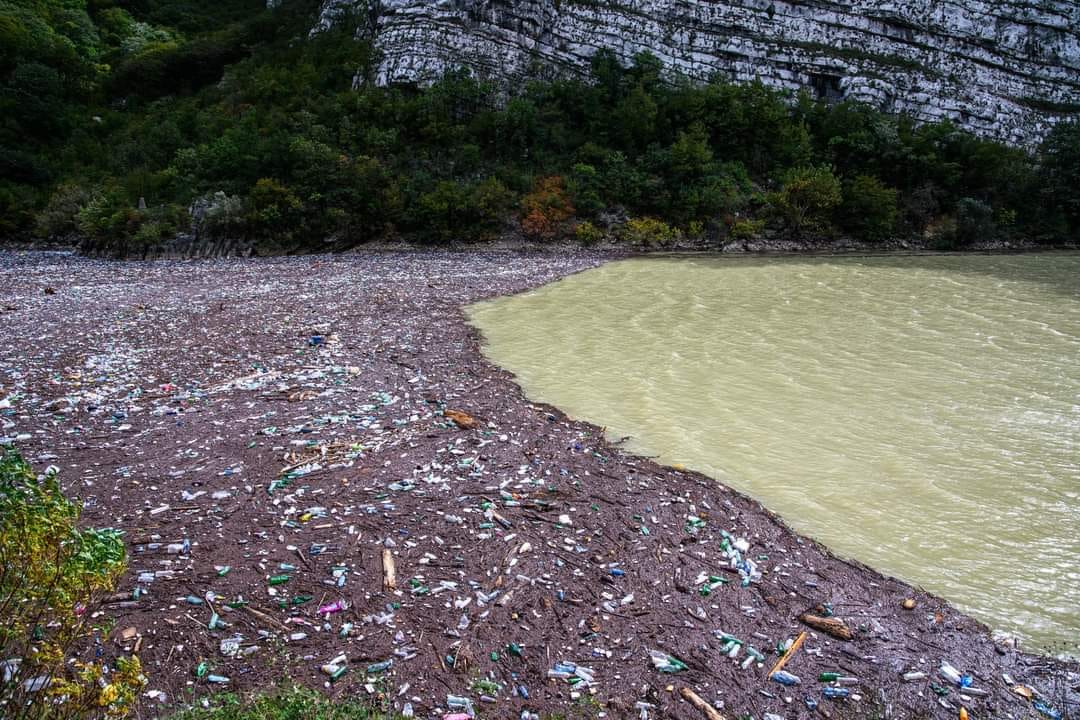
(1006, 68)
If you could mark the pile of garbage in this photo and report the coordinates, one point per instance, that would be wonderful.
(320, 478)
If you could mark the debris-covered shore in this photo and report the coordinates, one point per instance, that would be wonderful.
(321, 478)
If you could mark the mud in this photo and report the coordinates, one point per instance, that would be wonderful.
(291, 418)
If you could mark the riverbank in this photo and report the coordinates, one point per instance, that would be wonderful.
(187, 247)
(291, 418)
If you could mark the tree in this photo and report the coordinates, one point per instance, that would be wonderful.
(869, 208)
(807, 198)
(1060, 156)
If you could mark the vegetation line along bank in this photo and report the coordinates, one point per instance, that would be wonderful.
(126, 123)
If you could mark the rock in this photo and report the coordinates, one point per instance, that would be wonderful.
(994, 68)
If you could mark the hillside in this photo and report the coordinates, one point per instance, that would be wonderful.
(1004, 69)
(143, 127)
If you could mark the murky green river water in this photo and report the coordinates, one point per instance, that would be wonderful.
(921, 414)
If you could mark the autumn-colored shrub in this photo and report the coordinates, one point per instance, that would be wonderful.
(545, 208)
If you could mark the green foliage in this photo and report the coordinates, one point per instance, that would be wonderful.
(462, 211)
(1060, 173)
(61, 216)
(974, 221)
(588, 234)
(586, 189)
(745, 229)
(178, 100)
(52, 576)
(649, 232)
(284, 703)
(869, 208)
(807, 198)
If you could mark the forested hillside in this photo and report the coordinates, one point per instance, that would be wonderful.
(233, 121)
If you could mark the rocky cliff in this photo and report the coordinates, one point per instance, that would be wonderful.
(1006, 69)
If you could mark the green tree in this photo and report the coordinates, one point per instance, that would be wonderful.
(1060, 173)
(807, 198)
(869, 208)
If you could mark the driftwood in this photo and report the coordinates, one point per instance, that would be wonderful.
(831, 625)
(389, 573)
(698, 702)
(272, 622)
(462, 419)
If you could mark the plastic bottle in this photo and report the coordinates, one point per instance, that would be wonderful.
(835, 693)
(1047, 710)
(666, 663)
(785, 678)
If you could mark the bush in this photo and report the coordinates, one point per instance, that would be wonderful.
(585, 189)
(103, 216)
(869, 208)
(974, 221)
(221, 215)
(53, 577)
(746, 229)
(274, 210)
(60, 217)
(649, 232)
(588, 234)
(545, 208)
(807, 198)
(456, 211)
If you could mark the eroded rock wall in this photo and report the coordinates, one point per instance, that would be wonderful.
(1006, 69)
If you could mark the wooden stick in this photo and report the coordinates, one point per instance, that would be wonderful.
(789, 654)
(697, 701)
(831, 626)
(389, 573)
(265, 618)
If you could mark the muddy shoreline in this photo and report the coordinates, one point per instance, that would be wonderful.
(287, 417)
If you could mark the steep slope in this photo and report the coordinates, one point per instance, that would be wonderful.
(1006, 69)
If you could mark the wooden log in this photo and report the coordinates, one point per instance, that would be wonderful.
(698, 702)
(831, 626)
(389, 573)
(462, 419)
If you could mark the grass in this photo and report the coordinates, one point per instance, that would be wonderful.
(285, 703)
(291, 702)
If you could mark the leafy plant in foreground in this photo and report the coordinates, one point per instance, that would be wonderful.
(52, 576)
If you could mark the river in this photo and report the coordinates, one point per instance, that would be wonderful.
(918, 413)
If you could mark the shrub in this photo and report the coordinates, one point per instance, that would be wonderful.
(585, 189)
(103, 216)
(869, 208)
(807, 198)
(649, 232)
(746, 229)
(53, 576)
(454, 210)
(274, 210)
(61, 216)
(588, 234)
(974, 221)
(221, 215)
(545, 208)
